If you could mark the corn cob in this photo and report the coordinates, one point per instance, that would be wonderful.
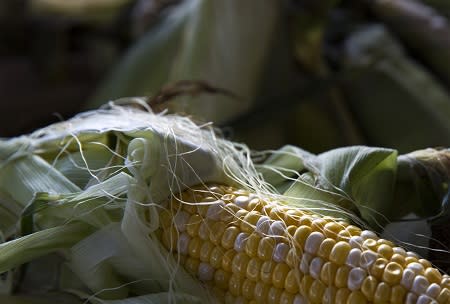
(251, 250)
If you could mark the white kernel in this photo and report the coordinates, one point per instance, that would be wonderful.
(354, 257)
(434, 290)
(399, 250)
(263, 224)
(205, 272)
(424, 299)
(411, 298)
(356, 241)
(412, 254)
(239, 243)
(407, 278)
(183, 243)
(367, 234)
(277, 228)
(242, 201)
(420, 284)
(299, 299)
(315, 267)
(180, 220)
(280, 252)
(416, 267)
(313, 242)
(368, 257)
(356, 278)
(215, 210)
(305, 262)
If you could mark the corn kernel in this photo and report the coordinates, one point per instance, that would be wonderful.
(392, 273)
(316, 292)
(251, 246)
(279, 274)
(229, 236)
(356, 297)
(235, 284)
(265, 248)
(205, 251)
(266, 272)
(248, 224)
(253, 269)
(325, 248)
(239, 263)
(292, 281)
(221, 279)
(340, 252)
(382, 294)
(369, 287)
(248, 289)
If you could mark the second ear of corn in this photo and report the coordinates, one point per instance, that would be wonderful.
(252, 250)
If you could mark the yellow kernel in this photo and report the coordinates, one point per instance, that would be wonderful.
(353, 230)
(433, 275)
(205, 229)
(229, 236)
(235, 284)
(398, 294)
(279, 275)
(329, 296)
(191, 265)
(286, 298)
(292, 281)
(325, 248)
(340, 252)
(292, 216)
(255, 205)
(342, 295)
(277, 213)
(318, 224)
(228, 198)
(425, 263)
(305, 220)
(301, 235)
(305, 285)
(205, 251)
(249, 221)
(239, 217)
(261, 292)
(266, 272)
(216, 233)
(369, 286)
(316, 292)
(293, 257)
(189, 207)
(356, 297)
(251, 246)
(385, 251)
(341, 278)
(378, 267)
(290, 231)
(382, 294)
(253, 269)
(398, 258)
(239, 263)
(370, 244)
(202, 209)
(194, 247)
(410, 259)
(392, 273)
(385, 242)
(221, 279)
(216, 257)
(444, 296)
(328, 273)
(248, 289)
(193, 225)
(274, 295)
(227, 260)
(265, 248)
(332, 229)
(228, 212)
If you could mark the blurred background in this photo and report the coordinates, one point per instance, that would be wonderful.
(317, 74)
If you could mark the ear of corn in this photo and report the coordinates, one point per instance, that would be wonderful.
(254, 250)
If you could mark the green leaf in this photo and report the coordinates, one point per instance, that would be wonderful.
(365, 175)
(21, 178)
(29, 247)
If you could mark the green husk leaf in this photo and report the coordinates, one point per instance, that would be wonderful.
(26, 248)
(156, 298)
(283, 164)
(21, 178)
